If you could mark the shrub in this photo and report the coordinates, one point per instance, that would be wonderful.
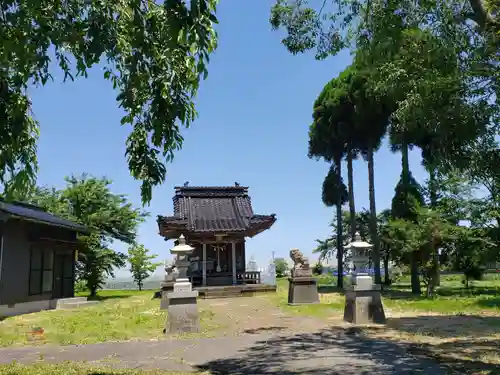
(80, 286)
(281, 267)
(318, 269)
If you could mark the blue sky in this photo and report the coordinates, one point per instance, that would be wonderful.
(254, 112)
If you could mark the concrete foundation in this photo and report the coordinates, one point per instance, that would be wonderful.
(363, 303)
(302, 290)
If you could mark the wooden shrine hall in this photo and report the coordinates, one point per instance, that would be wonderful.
(215, 220)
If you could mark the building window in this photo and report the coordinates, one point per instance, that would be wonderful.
(41, 271)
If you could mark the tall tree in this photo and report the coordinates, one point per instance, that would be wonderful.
(386, 248)
(370, 121)
(141, 263)
(155, 55)
(406, 203)
(334, 193)
(428, 56)
(89, 201)
(324, 28)
(327, 141)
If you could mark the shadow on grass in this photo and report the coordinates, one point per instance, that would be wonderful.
(329, 351)
(447, 326)
(329, 289)
(466, 292)
(109, 297)
(263, 329)
(489, 302)
(401, 294)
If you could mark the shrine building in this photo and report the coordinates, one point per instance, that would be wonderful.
(215, 220)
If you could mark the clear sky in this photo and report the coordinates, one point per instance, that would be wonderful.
(254, 113)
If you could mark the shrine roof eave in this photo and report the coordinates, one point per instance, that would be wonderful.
(172, 227)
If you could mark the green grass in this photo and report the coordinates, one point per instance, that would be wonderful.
(74, 368)
(120, 316)
(451, 298)
(324, 309)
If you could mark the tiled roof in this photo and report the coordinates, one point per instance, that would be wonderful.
(31, 212)
(214, 209)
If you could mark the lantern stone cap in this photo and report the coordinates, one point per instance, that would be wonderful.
(358, 243)
(182, 246)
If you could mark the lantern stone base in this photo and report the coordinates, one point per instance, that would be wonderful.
(182, 309)
(302, 290)
(363, 303)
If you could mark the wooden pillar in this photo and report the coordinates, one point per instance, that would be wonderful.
(233, 260)
(204, 264)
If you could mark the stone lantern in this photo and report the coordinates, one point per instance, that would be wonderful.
(363, 301)
(360, 258)
(181, 251)
(182, 302)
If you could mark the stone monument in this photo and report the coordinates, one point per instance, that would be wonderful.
(269, 275)
(302, 286)
(363, 301)
(182, 302)
(252, 264)
(167, 285)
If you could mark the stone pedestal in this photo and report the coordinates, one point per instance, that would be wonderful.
(166, 288)
(302, 288)
(363, 302)
(182, 309)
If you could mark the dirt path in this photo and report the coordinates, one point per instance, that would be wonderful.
(259, 339)
(257, 314)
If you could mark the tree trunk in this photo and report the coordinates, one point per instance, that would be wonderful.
(352, 207)
(430, 288)
(405, 165)
(436, 274)
(415, 271)
(387, 279)
(373, 218)
(340, 240)
(481, 14)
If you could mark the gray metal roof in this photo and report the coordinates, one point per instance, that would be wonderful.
(214, 209)
(34, 213)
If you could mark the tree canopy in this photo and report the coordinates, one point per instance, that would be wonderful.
(141, 263)
(155, 55)
(89, 201)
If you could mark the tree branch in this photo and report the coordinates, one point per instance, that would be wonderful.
(481, 15)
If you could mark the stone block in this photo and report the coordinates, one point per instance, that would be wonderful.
(301, 272)
(166, 288)
(302, 290)
(364, 306)
(182, 312)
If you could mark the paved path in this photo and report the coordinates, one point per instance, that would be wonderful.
(282, 345)
(323, 352)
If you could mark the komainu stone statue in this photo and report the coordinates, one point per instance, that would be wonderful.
(302, 287)
(167, 285)
(171, 273)
(299, 260)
